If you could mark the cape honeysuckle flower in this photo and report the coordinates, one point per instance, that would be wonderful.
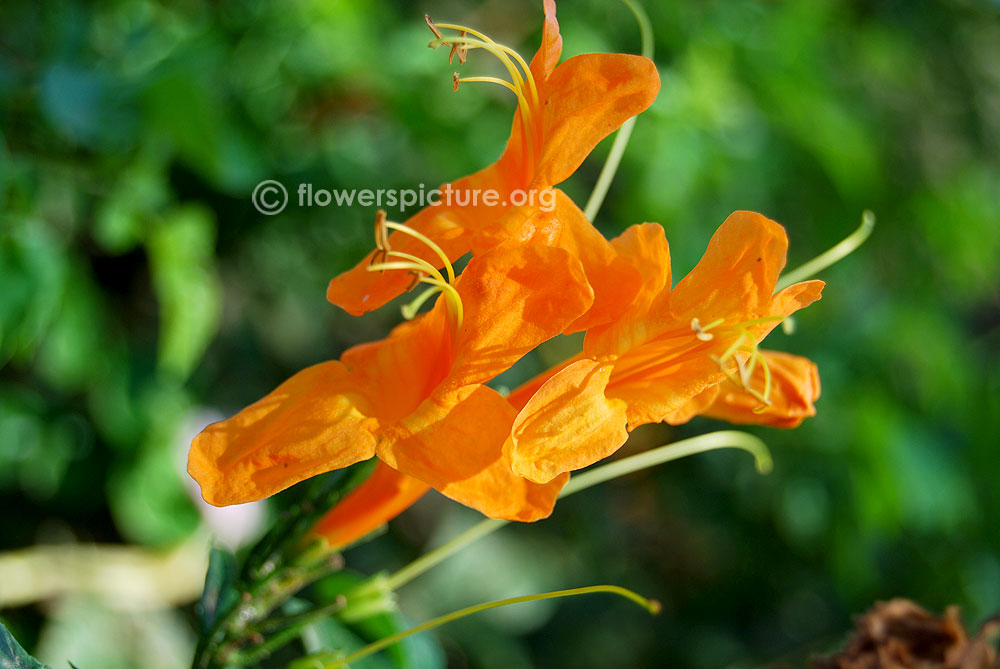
(385, 494)
(667, 349)
(792, 385)
(563, 112)
(415, 399)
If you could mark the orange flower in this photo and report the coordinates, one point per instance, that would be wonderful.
(793, 384)
(563, 112)
(671, 346)
(380, 498)
(416, 399)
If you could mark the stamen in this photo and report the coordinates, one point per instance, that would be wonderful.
(703, 333)
(520, 79)
(422, 270)
(458, 49)
(434, 29)
(381, 239)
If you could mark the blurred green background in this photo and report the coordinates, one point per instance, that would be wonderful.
(142, 296)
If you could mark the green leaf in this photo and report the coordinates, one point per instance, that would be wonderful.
(181, 251)
(220, 588)
(12, 656)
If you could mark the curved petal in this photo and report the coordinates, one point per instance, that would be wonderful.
(515, 298)
(654, 398)
(404, 368)
(524, 392)
(547, 56)
(645, 248)
(694, 406)
(614, 280)
(586, 99)
(454, 442)
(738, 272)
(568, 424)
(380, 498)
(794, 388)
(312, 423)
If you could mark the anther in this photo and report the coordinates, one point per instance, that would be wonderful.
(458, 49)
(434, 29)
(700, 331)
(382, 247)
(456, 81)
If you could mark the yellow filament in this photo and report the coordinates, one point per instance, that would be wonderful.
(407, 230)
(508, 57)
(424, 271)
(421, 264)
(506, 49)
(530, 129)
(745, 367)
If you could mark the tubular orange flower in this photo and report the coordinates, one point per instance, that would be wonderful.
(380, 498)
(415, 399)
(563, 112)
(666, 350)
(794, 388)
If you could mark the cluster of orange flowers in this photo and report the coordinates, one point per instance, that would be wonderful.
(418, 399)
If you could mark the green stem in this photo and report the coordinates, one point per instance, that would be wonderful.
(428, 560)
(835, 254)
(614, 158)
(649, 604)
(584, 480)
(663, 454)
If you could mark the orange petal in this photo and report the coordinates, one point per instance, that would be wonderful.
(567, 424)
(383, 496)
(794, 389)
(655, 398)
(454, 443)
(738, 272)
(645, 248)
(312, 423)
(547, 56)
(586, 99)
(407, 365)
(520, 395)
(694, 406)
(613, 279)
(515, 298)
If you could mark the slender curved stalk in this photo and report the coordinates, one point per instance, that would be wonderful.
(837, 253)
(676, 451)
(584, 480)
(614, 158)
(428, 560)
(650, 605)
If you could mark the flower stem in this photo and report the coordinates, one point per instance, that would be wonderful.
(614, 158)
(650, 605)
(835, 254)
(584, 480)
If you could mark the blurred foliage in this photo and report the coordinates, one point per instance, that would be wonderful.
(138, 287)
